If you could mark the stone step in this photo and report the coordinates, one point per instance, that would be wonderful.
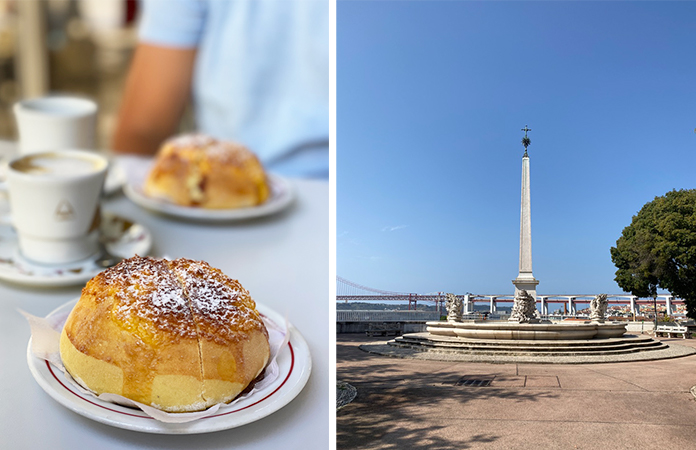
(535, 352)
(534, 345)
(538, 348)
(547, 348)
(426, 337)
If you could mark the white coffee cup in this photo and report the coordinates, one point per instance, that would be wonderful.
(55, 122)
(54, 198)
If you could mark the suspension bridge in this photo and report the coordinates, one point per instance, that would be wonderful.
(349, 291)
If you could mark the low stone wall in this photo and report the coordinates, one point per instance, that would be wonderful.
(409, 321)
(534, 331)
(639, 327)
(631, 327)
(363, 327)
(386, 316)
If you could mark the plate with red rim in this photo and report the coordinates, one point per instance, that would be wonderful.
(282, 195)
(294, 363)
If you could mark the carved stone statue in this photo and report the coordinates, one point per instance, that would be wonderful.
(524, 308)
(454, 308)
(598, 308)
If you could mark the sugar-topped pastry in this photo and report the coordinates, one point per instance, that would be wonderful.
(198, 170)
(176, 335)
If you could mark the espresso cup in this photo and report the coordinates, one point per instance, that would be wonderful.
(54, 198)
(55, 123)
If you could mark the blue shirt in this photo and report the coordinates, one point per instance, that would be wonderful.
(261, 76)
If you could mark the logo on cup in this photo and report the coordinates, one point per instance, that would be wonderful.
(64, 211)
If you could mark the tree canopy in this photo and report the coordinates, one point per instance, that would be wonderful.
(658, 249)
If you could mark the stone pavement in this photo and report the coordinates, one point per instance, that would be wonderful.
(436, 405)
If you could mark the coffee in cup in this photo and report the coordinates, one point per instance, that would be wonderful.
(54, 199)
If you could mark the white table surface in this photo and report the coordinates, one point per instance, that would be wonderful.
(282, 260)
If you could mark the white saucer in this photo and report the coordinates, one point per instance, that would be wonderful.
(294, 362)
(115, 178)
(123, 238)
(282, 194)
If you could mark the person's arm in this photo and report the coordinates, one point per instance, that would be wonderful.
(157, 91)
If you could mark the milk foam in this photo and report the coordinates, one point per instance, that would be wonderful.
(56, 164)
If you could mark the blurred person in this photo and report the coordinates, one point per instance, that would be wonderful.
(257, 71)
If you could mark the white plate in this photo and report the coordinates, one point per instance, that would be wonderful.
(294, 362)
(281, 196)
(123, 238)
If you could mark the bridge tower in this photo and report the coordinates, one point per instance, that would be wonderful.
(525, 280)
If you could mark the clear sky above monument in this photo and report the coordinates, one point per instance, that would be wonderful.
(431, 97)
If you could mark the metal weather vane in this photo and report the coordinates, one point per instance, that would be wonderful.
(525, 140)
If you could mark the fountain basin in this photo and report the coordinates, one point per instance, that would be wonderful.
(527, 331)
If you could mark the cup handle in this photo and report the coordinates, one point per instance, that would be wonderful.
(3, 176)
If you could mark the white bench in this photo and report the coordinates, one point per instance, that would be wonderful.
(669, 330)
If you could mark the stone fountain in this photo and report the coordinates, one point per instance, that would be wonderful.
(525, 324)
(525, 335)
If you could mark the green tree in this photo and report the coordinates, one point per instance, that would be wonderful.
(658, 249)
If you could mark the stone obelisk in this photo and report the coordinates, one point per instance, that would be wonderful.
(525, 280)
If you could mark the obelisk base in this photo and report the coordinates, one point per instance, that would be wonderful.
(526, 284)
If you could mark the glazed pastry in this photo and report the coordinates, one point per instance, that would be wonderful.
(176, 335)
(198, 170)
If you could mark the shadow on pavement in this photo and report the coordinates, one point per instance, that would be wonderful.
(391, 401)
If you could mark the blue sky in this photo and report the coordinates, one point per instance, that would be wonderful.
(431, 97)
